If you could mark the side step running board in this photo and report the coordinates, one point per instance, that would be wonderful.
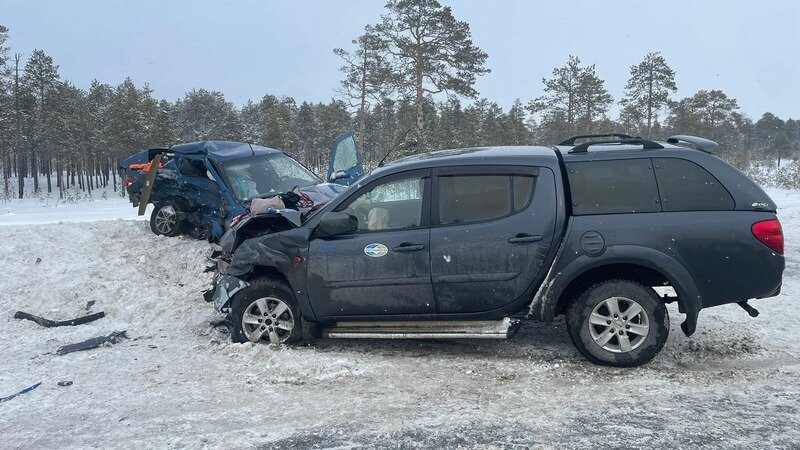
(483, 329)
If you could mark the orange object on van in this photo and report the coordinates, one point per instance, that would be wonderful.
(145, 167)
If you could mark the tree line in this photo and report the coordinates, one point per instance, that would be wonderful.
(408, 86)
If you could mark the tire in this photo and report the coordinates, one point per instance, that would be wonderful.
(600, 341)
(266, 294)
(164, 219)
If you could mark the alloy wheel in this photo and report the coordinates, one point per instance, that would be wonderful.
(268, 317)
(618, 324)
(166, 219)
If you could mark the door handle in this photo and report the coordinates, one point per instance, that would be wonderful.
(408, 247)
(524, 238)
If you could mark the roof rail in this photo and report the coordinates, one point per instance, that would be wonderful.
(571, 141)
(646, 145)
(706, 145)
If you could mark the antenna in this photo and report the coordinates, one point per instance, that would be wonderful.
(394, 147)
(251, 149)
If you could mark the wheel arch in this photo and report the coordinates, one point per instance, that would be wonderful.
(643, 265)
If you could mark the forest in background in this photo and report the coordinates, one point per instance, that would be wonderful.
(407, 85)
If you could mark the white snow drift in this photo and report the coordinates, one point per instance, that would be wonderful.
(177, 382)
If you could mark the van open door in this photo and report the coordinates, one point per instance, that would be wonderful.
(345, 165)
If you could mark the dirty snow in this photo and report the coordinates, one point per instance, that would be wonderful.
(179, 383)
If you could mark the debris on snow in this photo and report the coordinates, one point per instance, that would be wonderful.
(89, 344)
(24, 391)
(63, 323)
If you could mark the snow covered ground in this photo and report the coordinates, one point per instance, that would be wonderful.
(180, 383)
(102, 204)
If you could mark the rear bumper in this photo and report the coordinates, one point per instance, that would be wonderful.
(774, 293)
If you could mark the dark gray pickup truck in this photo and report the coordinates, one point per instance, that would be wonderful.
(468, 243)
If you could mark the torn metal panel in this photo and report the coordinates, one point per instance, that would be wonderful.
(227, 287)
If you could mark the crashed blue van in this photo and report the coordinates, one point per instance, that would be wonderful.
(200, 187)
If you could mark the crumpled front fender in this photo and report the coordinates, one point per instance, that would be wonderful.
(227, 287)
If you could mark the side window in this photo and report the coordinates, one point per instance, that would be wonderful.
(475, 198)
(394, 205)
(191, 168)
(612, 187)
(685, 186)
(346, 155)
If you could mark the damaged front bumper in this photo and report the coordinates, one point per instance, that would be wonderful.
(226, 286)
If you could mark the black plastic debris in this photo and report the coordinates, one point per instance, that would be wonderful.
(63, 323)
(24, 391)
(65, 383)
(223, 326)
(89, 344)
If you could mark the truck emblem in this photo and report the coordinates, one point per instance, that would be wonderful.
(376, 250)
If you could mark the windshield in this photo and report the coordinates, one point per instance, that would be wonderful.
(265, 176)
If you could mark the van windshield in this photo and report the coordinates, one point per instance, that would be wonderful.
(265, 176)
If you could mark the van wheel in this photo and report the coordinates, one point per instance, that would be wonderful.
(266, 311)
(618, 323)
(164, 219)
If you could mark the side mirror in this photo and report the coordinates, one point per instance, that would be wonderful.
(336, 223)
(338, 176)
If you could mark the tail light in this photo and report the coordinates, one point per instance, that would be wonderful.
(236, 220)
(129, 180)
(770, 233)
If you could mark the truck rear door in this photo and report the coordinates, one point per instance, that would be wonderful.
(493, 228)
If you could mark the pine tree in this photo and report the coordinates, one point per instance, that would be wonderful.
(205, 115)
(6, 112)
(278, 117)
(561, 94)
(514, 129)
(648, 90)
(367, 74)
(431, 52)
(575, 96)
(771, 136)
(307, 127)
(593, 100)
(41, 76)
(702, 113)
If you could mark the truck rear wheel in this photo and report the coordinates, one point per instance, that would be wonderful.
(618, 323)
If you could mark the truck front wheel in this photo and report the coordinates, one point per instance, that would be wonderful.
(266, 312)
(618, 323)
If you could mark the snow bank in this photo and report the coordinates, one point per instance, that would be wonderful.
(179, 383)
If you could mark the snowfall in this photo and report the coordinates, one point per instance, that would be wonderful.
(179, 382)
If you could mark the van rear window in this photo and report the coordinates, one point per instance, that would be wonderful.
(613, 187)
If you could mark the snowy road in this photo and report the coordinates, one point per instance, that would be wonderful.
(179, 383)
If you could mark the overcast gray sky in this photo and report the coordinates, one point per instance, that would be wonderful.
(245, 49)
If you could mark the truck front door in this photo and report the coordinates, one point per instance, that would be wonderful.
(384, 267)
